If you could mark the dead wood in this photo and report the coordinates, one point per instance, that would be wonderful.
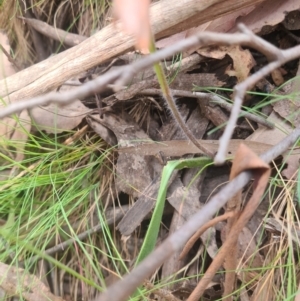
(106, 44)
(66, 38)
(121, 75)
(178, 148)
(217, 9)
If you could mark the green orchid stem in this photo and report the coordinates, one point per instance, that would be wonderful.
(161, 77)
(160, 74)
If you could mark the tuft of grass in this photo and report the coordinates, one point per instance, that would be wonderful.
(59, 195)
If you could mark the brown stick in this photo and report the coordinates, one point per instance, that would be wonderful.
(196, 236)
(108, 43)
(67, 38)
(120, 75)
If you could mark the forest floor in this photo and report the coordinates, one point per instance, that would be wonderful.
(99, 173)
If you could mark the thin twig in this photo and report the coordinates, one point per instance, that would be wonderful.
(10, 59)
(62, 246)
(200, 231)
(281, 57)
(120, 75)
(214, 99)
(262, 173)
(92, 87)
(228, 106)
(64, 37)
(99, 105)
(122, 289)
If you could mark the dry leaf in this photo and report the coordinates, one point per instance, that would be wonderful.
(243, 60)
(292, 20)
(275, 225)
(292, 161)
(244, 159)
(134, 171)
(223, 24)
(184, 199)
(274, 136)
(135, 20)
(185, 202)
(288, 109)
(16, 282)
(248, 254)
(106, 134)
(268, 13)
(56, 118)
(213, 113)
(249, 251)
(264, 290)
(145, 203)
(277, 77)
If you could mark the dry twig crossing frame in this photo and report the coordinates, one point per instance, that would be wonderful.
(119, 76)
(121, 290)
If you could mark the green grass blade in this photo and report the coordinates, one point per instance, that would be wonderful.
(152, 233)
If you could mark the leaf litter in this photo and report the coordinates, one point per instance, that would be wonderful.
(144, 145)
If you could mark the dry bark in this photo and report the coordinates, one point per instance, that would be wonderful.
(110, 42)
